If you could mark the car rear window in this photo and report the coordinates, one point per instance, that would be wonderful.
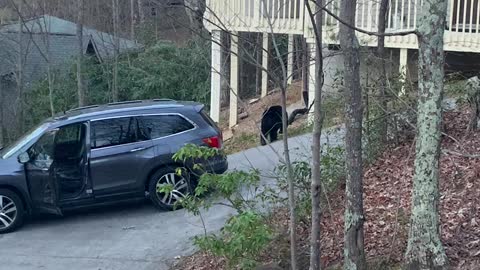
(158, 126)
(207, 119)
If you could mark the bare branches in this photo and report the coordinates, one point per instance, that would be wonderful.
(455, 153)
(370, 33)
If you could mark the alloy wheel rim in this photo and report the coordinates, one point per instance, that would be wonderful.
(8, 212)
(179, 188)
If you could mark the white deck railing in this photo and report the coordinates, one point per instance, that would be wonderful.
(289, 17)
(283, 16)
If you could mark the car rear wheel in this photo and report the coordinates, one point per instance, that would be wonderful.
(167, 188)
(11, 211)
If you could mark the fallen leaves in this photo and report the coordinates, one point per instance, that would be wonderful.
(387, 200)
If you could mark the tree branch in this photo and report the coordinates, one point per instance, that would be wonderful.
(370, 33)
(455, 153)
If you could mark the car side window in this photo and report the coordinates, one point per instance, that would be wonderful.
(117, 131)
(157, 126)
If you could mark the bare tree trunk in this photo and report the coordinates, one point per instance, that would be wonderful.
(2, 139)
(298, 57)
(46, 36)
(316, 188)
(425, 249)
(195, 10)
(133, 20)
(50, 78)
(354, 251)
(382, 23)
(116, 49)
(305, 72)
(141, 12)
(288, 163)
(291, 186)
(258, 73)
(80, 86)
(19, 73)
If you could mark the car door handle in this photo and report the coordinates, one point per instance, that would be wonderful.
(137, 149)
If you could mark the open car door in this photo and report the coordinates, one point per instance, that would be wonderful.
(44, 191)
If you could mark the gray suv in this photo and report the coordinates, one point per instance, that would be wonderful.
(104, 154)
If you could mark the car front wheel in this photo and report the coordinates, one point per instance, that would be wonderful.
(11, 211)
(167, 188)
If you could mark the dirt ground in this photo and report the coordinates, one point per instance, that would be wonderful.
(246, 133)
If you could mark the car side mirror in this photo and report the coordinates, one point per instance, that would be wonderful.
(23, 158)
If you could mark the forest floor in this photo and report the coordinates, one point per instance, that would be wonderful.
(387, 202)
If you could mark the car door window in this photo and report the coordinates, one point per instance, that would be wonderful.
(70, 142)
(158, 126)
(113, 132)
(41, 153)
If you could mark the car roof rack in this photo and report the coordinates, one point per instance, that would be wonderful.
(162, 99)
(124, 102)
(83, 108)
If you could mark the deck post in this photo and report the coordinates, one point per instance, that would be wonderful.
(234, 80)
(403, 68)
(312, 71)
(216, 73)
(265, 65)
(291, 50)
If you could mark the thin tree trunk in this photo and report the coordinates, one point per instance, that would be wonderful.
(305, 67)
(133, 20)
(80, 86)
(382, 23)
(2, 139)
(290, 175)
(19, 75)
(316, 186)
(354, 252)
(50, 81)
(48, 55)
(116, 49)
(298, 57)
(258, 73)
(288, 163)
(195, 10)
(425, 249)
(141, 12)
(291, 186)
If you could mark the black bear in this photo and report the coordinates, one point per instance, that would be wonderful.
(271, 124)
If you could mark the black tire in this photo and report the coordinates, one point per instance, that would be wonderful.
(182, 186)
(7, 196)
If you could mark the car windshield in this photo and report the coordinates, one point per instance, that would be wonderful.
(18, 144)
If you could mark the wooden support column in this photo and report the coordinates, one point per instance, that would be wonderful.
(265, 65)
(216, 76)
(311, 78)
(403, 68)
(291, 50)
(234, 80)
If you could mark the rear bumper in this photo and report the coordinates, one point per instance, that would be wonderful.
(214, 165)
(217, 166)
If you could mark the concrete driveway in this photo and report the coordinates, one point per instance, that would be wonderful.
(130, 236)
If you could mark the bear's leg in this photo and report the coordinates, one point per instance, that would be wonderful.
(265, 130)
(262, 140)
(274, 133)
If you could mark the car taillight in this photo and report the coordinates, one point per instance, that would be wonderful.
(214, 142)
